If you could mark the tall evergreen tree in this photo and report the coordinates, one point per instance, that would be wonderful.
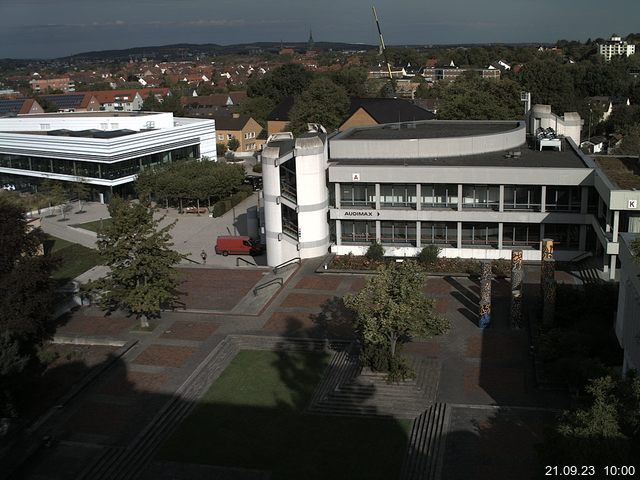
(142, 277)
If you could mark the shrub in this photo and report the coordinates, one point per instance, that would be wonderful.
(375, 252)
(257, 168)
(223, 206)
(428, 256)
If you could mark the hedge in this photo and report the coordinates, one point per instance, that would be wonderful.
(223, 206)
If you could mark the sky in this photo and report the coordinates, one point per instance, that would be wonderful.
(53, 28)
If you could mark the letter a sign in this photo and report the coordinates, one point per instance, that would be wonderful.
(355, 177)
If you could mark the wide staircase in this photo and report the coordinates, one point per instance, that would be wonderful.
(425, 451)
(348, 390)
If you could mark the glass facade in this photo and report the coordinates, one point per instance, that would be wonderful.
(565, 237)
(563, 199)
(480, 234)
(357, 232)
(288, 186)
(397, 195)
(358, 195)
(439, 196)
(102, 170)
(443, 233)
(521, 235)
(522, 197)
(398, 233)
(289, 222)
(481, 196)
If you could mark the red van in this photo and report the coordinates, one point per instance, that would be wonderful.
(237, 245)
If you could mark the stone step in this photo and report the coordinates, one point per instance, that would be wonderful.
(423, 460)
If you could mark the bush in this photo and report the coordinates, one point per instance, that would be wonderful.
(223, 206)
(375, 252)
(257, 168)
(428, 256)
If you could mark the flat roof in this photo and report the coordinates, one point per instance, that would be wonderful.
(567, 158)
(428, 129)
(89, 114)
(89, 133)
(624, 172)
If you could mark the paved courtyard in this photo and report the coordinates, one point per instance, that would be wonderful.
(479, 369)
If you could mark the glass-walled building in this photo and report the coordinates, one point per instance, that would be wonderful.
(104, 150)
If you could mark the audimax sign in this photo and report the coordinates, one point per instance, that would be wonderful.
(361, 213)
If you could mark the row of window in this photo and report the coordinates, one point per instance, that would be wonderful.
(107, 171)
(446, 234)
(516, 197)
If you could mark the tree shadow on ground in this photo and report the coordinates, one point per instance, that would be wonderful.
(468, 300)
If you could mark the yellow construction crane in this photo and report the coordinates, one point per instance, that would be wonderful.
(383, 50)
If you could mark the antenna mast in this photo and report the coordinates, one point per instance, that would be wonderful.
(383, 49)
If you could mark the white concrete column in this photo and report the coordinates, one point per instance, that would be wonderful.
(377, 196)
(418, 233)
(616, 224)
(612, 267)
(378, 231)
(543, 199)
(338, 232)
(459, 198)
(500, 231)
(418, 197)
(501, 201)
(459, 239)
(337, 194)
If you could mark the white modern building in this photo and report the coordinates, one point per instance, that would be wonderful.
(628, 315)
(104, 149)
(615, 46)
(477, 189)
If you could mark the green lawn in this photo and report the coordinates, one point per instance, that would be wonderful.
(74, 259)
(252, 417)
(93, 226)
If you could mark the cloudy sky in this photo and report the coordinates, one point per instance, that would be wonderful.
(51, 28)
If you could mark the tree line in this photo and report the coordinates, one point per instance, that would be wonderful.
(199, 181)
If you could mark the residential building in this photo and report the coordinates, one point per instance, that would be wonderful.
(476, 189)
(44, 85)
(103, 149)
(615, 46)
(19, 106)
(211, 105)
(241, 127)
(74, 102)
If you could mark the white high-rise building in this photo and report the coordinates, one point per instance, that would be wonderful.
(615, 46)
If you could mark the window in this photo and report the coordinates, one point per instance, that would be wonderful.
(522, 197)
(45, 126)
(288, 180)
(439, 196)
(565, 237)
(393, 233)
(481, 196)
(521, 235)
(220, 137)
(479, 234)
(289, 222)
(357, 232)
(358, 195)
(229, 136)
(397, 195)
(444, 233)
(563, 199)
(104, 126)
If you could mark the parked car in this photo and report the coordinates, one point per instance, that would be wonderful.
(237, 245)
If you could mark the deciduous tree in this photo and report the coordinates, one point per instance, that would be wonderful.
(322, 102)
(142, 276)
(390, 310)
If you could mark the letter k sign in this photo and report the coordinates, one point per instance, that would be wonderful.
(632, 204)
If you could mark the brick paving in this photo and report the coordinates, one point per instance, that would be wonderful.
(165, 356)
(320, 282)
(477, 367)
(97, 324)
(215, 289)
(186, 330)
